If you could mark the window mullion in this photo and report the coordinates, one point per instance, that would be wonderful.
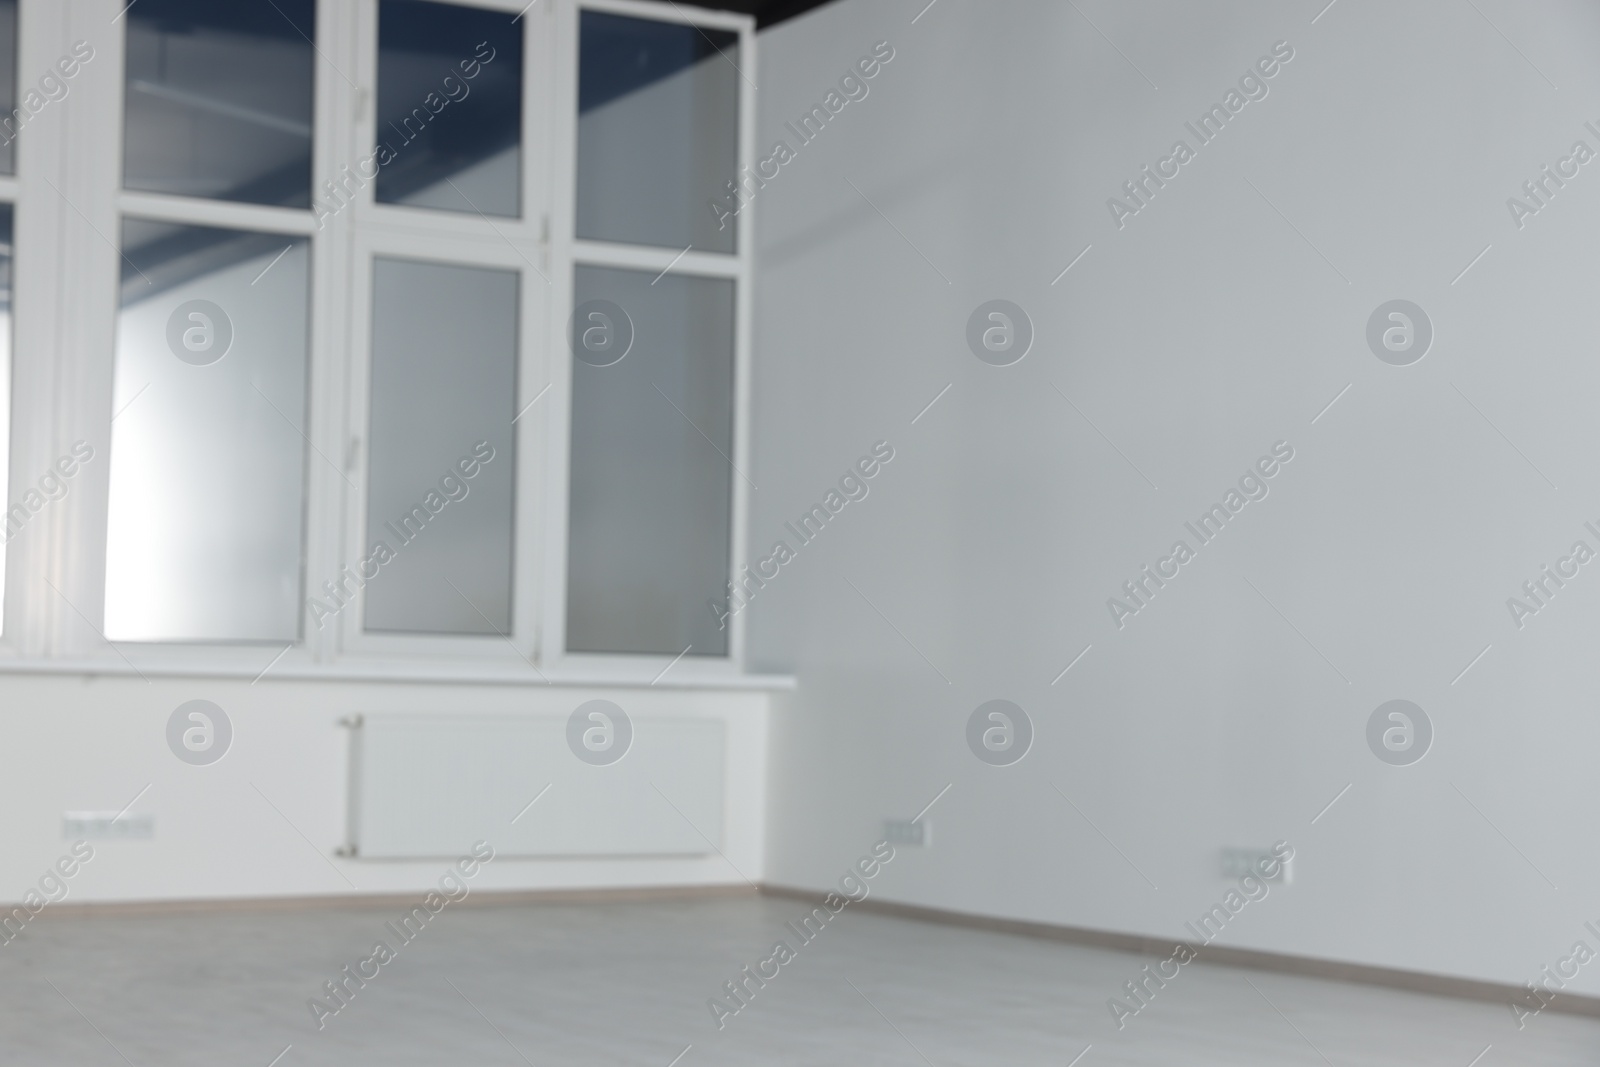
(69, 197)
(342, 89)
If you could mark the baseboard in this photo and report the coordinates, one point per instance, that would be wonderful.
(478, 898)
(1254, 959)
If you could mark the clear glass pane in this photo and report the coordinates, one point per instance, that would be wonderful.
(207, 436)
(218, 99)
(658, 132)
(449, 107)
(11, 121)
(652, 437)
(439, 494)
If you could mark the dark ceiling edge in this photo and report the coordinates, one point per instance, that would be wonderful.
(767, 12)
(782, 10)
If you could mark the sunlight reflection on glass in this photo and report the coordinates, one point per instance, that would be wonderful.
(207, 453)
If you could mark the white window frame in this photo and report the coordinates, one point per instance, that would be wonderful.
(69, 209)
(532, 309)
(25, 633)
(568, 253)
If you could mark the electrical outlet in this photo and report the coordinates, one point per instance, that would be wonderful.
(1238, 862)
(905, 832)
(105, 826)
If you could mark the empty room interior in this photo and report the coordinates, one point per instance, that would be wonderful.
(678, 533)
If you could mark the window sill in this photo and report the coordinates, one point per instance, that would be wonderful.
(678, 676)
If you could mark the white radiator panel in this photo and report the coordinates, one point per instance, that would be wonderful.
(425, 786)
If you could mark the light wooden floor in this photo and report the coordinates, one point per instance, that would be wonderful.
(626, 983)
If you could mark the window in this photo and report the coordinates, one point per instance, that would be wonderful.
(203, 539)
(663, 92)
(654, 486)
(459, 157)
(440, 480)
(12, 523)
(398, 336)
(652, 489)
(8, 83)
(217, 100)
(8, 168)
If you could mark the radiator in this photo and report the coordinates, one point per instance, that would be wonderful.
(429, 785)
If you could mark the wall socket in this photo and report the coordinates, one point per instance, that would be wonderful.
(105, 826)
(1238, 862)
(905, 832)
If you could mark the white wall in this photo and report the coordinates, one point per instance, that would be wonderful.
(75, 743)
(1195, 337)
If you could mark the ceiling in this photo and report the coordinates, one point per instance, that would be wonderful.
(767, 12)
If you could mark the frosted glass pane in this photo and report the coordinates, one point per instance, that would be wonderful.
(439, 497)
(15, 520)
(218, 99)
(449, 107)
(651, 480)
(207, 453)
(658, 131)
